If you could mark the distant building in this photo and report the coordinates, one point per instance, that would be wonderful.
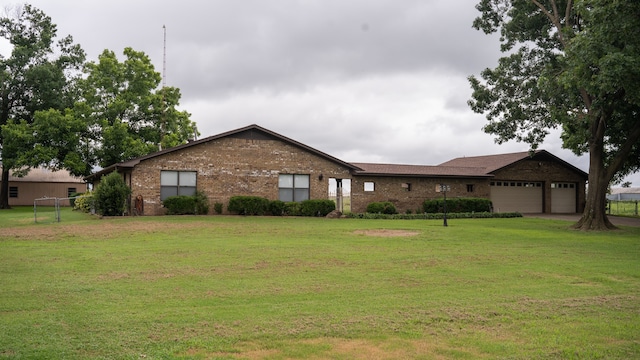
(622, 194)
(41, 182)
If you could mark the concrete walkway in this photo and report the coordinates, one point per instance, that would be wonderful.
(615, 220)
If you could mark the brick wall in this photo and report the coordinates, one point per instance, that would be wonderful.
(232, 166)
(396, 190)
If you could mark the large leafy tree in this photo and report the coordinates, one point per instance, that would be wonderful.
(129, 114)
(37, 75)
(572, 65)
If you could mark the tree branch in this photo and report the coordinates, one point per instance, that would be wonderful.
(553, 17)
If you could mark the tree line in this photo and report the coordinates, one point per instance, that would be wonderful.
(60, 111)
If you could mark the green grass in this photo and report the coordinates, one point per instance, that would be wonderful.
(223, 287)
(624, 208)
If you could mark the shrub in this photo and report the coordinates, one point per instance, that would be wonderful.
(217, 207)
(457, 205)
(248, 205)
(202, 203)
(433, 216)
(384, 207)
(292, 209)
(277, 207)
(316, 207)
(197, 204)
(180, 205)
(111, 195)
(84, 203)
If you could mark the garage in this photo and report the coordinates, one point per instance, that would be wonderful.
(563, 198)
(517, 196)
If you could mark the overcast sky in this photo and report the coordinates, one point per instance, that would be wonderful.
(362, 80)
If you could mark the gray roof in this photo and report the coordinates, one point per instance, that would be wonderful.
(46, 175)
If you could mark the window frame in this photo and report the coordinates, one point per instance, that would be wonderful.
(175, 187)
(13, 192)
(294, 187)
(369, 186)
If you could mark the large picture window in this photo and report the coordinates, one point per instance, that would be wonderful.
(174, 183)
(293, 187)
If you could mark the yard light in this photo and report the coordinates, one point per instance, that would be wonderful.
(444, 188)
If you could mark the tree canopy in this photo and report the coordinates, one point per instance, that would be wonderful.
(62, 113)
(572, 65)
(39, 74)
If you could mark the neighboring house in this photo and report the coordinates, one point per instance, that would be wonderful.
(624, 194)
(256, 161)
(43, 183)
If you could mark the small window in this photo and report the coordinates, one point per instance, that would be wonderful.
(369, 186)
(406, 186)
(470, 188)
(13, 191)
(71, 192)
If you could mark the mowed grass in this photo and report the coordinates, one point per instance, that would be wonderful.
(224, 287)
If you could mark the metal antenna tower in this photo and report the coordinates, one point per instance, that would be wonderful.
(164, 84)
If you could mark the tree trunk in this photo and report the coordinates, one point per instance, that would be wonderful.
(594, 216)
(4, 190)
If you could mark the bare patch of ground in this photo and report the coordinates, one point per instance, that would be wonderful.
(103, 229)
(386, 233)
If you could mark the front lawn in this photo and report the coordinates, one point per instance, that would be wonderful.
(227, 287)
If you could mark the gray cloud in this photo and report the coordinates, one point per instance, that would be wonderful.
(362, 80)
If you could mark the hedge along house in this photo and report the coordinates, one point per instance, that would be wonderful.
(43, 183)
(258, 162)
(250, 161)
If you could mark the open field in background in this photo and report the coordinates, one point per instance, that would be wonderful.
(624, 208)
(226, 287)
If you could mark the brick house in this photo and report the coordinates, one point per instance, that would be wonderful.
(256, 161)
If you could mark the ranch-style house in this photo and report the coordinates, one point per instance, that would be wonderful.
(256, 161)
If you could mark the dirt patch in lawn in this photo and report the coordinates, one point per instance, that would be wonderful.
(386, 233)
(103, 229)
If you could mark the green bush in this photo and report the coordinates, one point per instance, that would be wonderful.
(202, 203)
(197, 204)
(111, 195)
(292, 209)
(384, 207)
(248, 205)
(84, 203)
(180, 205)
(277, 207)
(217, 207)
(317, 207)
(457, 205)
(433, 216)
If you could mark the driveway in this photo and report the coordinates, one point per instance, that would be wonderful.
(615, 220)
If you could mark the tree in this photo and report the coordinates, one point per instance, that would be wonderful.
(38, 75)
(129, 115)
(573, 65)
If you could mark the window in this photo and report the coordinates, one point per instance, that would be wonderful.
(174, 183)
(293, 187)
(470, 188)
(13, 191)
(369, 186)
(71, 192)
(406, 186)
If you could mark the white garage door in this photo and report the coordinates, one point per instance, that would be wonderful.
(516, 196)
(563, 198)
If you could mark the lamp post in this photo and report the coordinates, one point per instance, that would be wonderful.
(444, 188)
